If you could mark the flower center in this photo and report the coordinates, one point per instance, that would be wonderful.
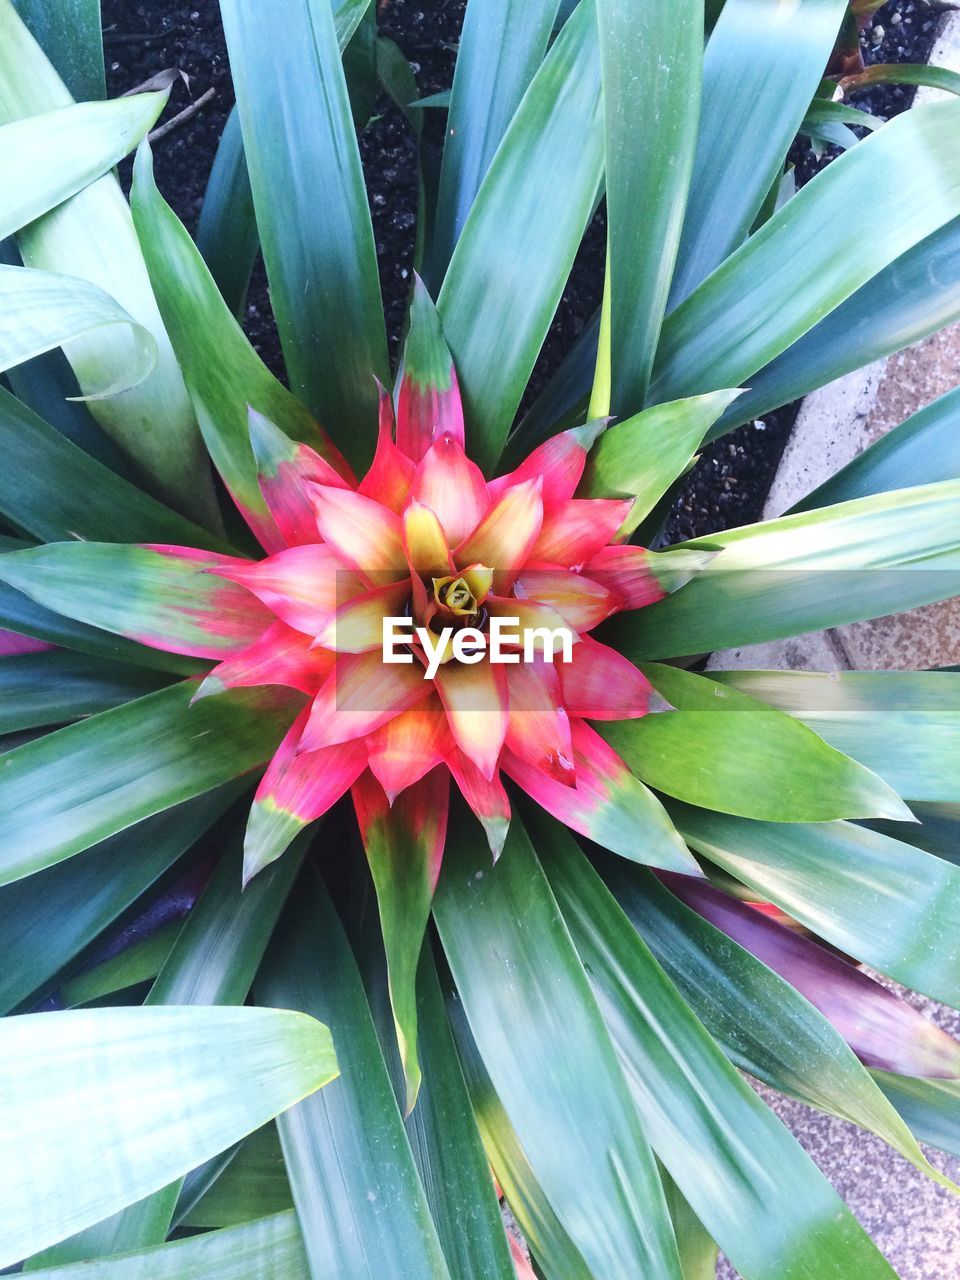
(454, 595)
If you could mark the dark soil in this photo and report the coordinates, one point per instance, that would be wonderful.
(730, 484)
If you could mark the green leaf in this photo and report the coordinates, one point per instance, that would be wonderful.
(902, 73)
(43, 385)
(915, 296)
(749, 310)
(102, 1106)
(71, 789)
(937, 830)
(824, 568)
(650, 56)
(875, 898)
(222, 942)
(404, 839)
(40, 311)
(347, 16)
(442, 1128)
(57, 686)
(138, 963)
(48, 919)
(905, 725)
(527, 1001)
(541, 1227)
(21, 615)
(501, 46)
(726, 751)
(731, 1157)
(54, 490)
(641, 458)
(447, 1149)
(439, 100)
(782, 189)
(91, 237)
(355, 1186)
(50, 157)
(763, 1025)
(698, 1252)
(564, 400)
(360, 69)
(923, 449)
(761, 68)
(69, 34)
(400, 85)
(213, 962)
(271, 1246)
(824, 112)
(227, 235)
(427, 397)
(930, 1107)
(253, 1184)
(143, 1223)
(223, 372)
(508, 270)
(829, 133)
(312, 211)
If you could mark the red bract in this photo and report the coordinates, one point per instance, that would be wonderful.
(424, 536)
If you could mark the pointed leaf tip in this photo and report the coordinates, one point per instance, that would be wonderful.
(428, 396)
(590, 432)
(270, 445)
(404, 846)
(270, 830)
(208, 688)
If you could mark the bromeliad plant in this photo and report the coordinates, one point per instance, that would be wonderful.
(729, 847)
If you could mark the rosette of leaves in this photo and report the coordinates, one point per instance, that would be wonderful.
(688, 896)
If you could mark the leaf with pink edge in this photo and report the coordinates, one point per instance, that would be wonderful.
(607, 804)
(428, 397)
(485, 796)
(391, 472)
(361, 694)
(357, 625)
(579, 529)
(560, 460)
(601, 684)
(12, 645)
(639, 577)
(475, 700)
(281, 656)
(167, 597)
(404, 843)
(364, 534)
(283, 466)
(298, 787)
(580, 601)
(538, 727)
(303, 585)
(505, 537)
(452, 487)
(407, 747)
(222, 371)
